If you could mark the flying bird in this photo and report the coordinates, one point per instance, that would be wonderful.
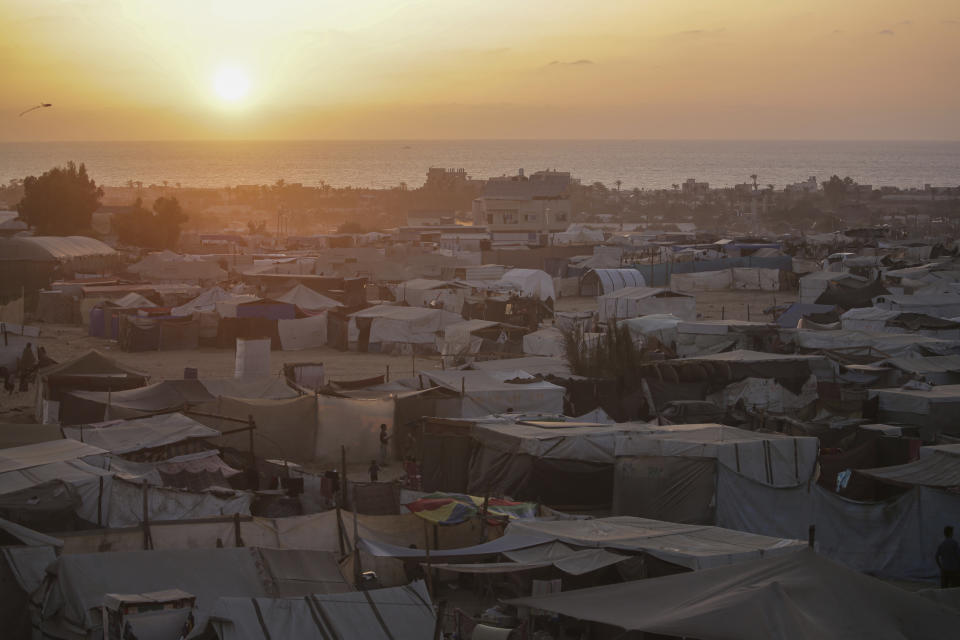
(39, 106)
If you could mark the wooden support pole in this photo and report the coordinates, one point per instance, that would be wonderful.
(147, 537)
(252, 425)
(426, 540)
(438, 627)
(357, 569)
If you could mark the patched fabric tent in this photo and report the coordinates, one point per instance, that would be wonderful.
(488, 392)
(934, 410)
(791, 597)
(597, 282)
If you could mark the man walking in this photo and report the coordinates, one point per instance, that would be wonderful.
(948, 559)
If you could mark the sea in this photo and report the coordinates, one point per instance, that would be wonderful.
(644, 164)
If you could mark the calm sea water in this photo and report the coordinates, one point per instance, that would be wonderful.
(637, 163)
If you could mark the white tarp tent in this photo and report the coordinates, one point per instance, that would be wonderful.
(641, 301)
(303, 333)
(498, 391)
(127, 436)
(544, 342)
(531, 283)
(393, 325)
(596, 282)
(308, 300)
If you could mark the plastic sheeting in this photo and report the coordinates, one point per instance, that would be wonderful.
(941, 469)
(79, 582)
(896, 538)
(640, 301)
(42, 453)
(285, 429)
(766, 394)
(793, 597)
(692, 546)
(303, 333)
(488, 392)
(545, 342)
(397, 613)
(121, 436)
(532, 283)
(307, 299)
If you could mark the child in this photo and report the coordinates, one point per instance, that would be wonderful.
(374, 471)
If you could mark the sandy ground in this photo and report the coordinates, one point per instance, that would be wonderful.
(64, 342)
(712, 305)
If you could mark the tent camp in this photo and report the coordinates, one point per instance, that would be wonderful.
(788, 597)
(206, 301)
(72, 597)
(167, 266)
(631, 302)
(396, 613)
(596, 282)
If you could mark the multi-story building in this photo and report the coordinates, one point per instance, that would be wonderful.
(520, 206)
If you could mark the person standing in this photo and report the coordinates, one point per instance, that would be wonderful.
(28, 362)
(384, 440)
(374, 471)
(948, 559)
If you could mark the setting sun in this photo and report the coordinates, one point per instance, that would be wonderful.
(231, 84)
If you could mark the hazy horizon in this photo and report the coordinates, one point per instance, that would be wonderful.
(133, 70)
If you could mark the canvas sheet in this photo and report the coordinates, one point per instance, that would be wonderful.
(766, 394)
(894, 539)
(126, 504)
(285, 429)
(545, 342)
(397, 613)
(487, 392)
(756, 279)
(121, 436)
(43, 453)
(792, 597)
(532, 283)
(303, 333)
(693, 546)
(702, 281)
(351, 423)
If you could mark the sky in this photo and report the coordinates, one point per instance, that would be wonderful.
(461, 69)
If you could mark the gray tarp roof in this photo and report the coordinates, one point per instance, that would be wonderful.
(942, 469)
(792, 597)
(52, 248)
(397, 613)
(125, 436)
(80, 581)
(35, 455)
(693, 546)
(555, 554)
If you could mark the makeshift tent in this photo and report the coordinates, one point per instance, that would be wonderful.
(933, 410)
(127, 436)
(596, 282)
(670, 472)
(92, 371)
(84, 407)
(544, 342)
(799, 310)
(554, 462)
(693, 546)
(531, 283)
(303, 333)
(206, 301)
(795, 596)
(284, 429)
(893, 538)
(77, 583)
(387, 328)
(137, 333)
(436, 294)
(640, 301)
(940, 469)
(396, 613)
(489, 392)
(813, 285)
(308, 300)
(454, 508)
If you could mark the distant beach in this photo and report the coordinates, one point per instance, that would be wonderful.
(380, 164)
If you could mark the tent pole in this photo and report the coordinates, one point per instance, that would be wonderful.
(357, 569)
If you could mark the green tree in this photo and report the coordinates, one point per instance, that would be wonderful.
(835, 190)
(157, 229)
(61, 201)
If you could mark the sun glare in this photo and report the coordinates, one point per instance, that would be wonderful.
(231, 84)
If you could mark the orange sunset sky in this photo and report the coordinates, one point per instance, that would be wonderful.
(376, 69)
